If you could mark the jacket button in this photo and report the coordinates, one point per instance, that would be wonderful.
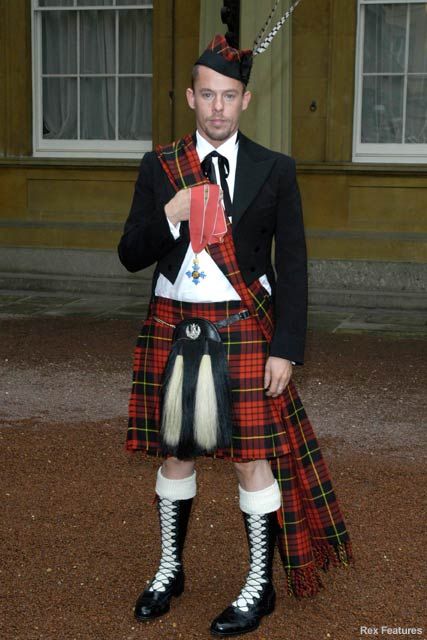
(253, 269)
(263, 230)
(256, 249)
(169, 267)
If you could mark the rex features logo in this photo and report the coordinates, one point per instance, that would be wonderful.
(386, 630)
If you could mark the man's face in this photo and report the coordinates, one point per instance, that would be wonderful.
(218, 102)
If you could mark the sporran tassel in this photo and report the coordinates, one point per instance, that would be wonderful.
(206, 413)
(172, 403)
(192, 352)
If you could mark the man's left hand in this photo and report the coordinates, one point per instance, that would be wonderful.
(278, 372)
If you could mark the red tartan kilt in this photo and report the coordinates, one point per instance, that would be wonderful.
(258, 421)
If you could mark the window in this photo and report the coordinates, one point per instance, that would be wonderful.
(391, 82)
(92, 77)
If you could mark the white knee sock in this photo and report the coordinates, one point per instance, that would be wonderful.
(176, 489)
(260, 502)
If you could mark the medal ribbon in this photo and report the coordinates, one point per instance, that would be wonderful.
(207, 218)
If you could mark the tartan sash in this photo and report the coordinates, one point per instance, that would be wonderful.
(181, 163)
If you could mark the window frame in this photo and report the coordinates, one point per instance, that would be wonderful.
(378, 152)
(64, 148)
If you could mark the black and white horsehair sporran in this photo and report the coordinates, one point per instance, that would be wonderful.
(196, 399)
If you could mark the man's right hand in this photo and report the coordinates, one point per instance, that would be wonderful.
(178, 209)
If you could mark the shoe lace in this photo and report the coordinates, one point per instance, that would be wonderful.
(169, 562)
(256, 578)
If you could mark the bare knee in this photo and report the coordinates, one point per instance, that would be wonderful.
(175, 469)
(247, 469)
(254, 474)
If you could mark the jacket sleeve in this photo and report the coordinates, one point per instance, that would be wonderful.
(146, 237)
(290, 300)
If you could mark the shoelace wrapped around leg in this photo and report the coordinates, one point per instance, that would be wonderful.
(169, 562)
(256, 578)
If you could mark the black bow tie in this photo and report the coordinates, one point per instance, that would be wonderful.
(224, 169)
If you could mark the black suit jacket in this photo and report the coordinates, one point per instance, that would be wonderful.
(266, 205)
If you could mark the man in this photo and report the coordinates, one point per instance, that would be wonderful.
(284, 487)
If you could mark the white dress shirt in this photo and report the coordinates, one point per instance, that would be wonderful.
(214, 287)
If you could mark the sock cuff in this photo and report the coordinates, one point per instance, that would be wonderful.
(183, 489)
(260, 502)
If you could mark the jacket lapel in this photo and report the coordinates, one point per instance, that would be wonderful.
(253, 168)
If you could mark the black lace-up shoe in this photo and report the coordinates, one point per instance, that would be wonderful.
(152, 604)
(234, 621)
(257, 597)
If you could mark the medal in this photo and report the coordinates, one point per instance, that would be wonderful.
(196, 274)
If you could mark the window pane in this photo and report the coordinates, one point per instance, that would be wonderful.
(385, 31)
(93, 3)
(59, 42)
(97, 42)
(418, 38)
(416, 111)
(135, 108)
(55, 3)
(142, 3)
(135, 29)
(382, 107)
(97, 108)
(59, 108)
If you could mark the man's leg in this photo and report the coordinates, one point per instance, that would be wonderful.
(175, 488)
(254, 475)
(260, 498)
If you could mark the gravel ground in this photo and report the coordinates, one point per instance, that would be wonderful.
(77, 525)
